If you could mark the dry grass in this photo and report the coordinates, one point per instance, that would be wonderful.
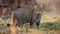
(25, 30)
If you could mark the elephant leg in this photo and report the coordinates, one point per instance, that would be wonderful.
(31, 23)
(37, 24)
(38, 19)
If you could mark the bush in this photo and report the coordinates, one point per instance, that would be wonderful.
(50, 26)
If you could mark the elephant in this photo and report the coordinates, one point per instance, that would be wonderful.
(26, 15)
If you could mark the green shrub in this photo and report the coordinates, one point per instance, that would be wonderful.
(50, 26)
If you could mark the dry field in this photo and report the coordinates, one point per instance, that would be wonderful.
(5, 29)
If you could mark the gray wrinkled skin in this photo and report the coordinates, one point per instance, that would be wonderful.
(26, 15)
